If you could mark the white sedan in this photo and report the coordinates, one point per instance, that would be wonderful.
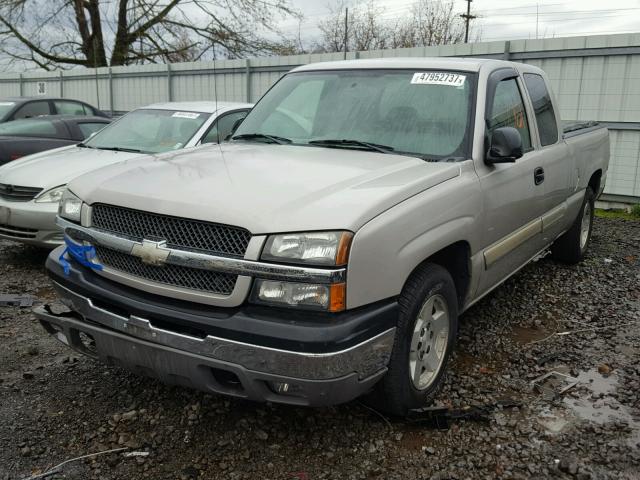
(30, 188)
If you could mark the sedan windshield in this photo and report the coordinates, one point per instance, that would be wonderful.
(422, 113)
(149, 131)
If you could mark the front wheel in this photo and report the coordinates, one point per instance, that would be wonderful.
(572, 245)
(425, 337)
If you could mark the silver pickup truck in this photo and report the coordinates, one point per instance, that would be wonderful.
(327, 250)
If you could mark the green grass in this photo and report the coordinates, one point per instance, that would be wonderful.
(622, 214)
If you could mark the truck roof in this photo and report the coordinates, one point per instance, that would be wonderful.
(204, 107)
(418, 63)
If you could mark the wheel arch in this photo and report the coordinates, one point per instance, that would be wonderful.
(456, 259)
(595, 182)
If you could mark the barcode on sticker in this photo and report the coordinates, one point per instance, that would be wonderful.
(438, 78)
(186, 115)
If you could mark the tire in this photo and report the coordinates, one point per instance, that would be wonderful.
(571, 247)
(431, 287)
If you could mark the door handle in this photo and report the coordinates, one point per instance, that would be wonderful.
(538, 175)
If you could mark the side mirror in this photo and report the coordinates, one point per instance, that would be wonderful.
(505, 146)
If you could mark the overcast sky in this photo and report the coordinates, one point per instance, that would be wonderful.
(505, 19)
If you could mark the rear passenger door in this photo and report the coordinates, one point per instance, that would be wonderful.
(558, 163)
(513, 197)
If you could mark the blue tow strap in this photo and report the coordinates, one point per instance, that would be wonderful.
(83, 254)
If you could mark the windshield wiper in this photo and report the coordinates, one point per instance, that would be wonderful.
(264, 136)
(83, 145)
(374, 147)
(120, 149)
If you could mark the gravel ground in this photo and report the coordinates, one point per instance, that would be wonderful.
(56, 405)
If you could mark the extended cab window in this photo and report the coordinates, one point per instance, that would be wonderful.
(545, 115)
(508, 111)
(422, 113)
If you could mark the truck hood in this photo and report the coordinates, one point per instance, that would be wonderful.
(59, 166)
(265, 188)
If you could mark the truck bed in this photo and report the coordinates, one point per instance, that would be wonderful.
(579, 127)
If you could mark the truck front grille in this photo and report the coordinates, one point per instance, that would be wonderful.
(172, 275)
(181, 233)
(16, 193)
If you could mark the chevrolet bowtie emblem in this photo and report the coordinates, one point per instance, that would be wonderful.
(151, 253)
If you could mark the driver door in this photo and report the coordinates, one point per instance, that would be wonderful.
(513, 195)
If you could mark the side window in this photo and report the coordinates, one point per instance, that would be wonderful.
(38, 127)
(508, 111)
(222, 127)
(70, 108)
(545, 115)
(32, 109)
(88, 128)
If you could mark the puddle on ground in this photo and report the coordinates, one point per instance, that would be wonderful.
(524, 335)
(598, 383)
(596, 405)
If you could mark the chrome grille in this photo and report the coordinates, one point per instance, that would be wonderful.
(173, 275)
(178, 232)
(17, 193)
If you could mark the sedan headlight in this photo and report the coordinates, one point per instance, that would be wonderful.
(312, 248)
(51, 196)
(70, 206)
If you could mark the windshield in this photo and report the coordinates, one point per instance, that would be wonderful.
(149, 131)
(5, 107)
(414, 112)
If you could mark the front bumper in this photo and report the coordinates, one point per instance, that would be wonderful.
(30, 222)
(249, 352)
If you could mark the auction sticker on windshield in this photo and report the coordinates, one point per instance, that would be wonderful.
(438, 78)
(191, 115)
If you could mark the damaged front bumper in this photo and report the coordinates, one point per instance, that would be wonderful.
(329, 371)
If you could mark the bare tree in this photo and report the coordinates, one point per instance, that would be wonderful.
(58, 33)
(366, 30)
(427, 23)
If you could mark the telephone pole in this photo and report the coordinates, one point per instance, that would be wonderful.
(467, 17)
(346, 30)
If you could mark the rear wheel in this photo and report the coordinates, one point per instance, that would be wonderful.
(425, 336)
(572, 245)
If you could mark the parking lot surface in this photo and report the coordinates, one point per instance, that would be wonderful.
(581, 321)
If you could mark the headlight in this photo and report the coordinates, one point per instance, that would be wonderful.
(70, 206)
(312, 248)
(51, 196)
(301, 295)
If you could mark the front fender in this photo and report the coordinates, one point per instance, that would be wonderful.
(389, 247)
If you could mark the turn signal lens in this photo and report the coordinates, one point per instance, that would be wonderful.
(330, 298)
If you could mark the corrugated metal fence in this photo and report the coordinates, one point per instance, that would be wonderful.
(595, 78)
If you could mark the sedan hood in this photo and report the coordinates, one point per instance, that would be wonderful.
(266, 188)
(59, 166)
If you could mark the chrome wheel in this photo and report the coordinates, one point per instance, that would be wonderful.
(429, 342)
(585, 225)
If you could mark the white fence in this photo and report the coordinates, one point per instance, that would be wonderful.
(595, 78)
